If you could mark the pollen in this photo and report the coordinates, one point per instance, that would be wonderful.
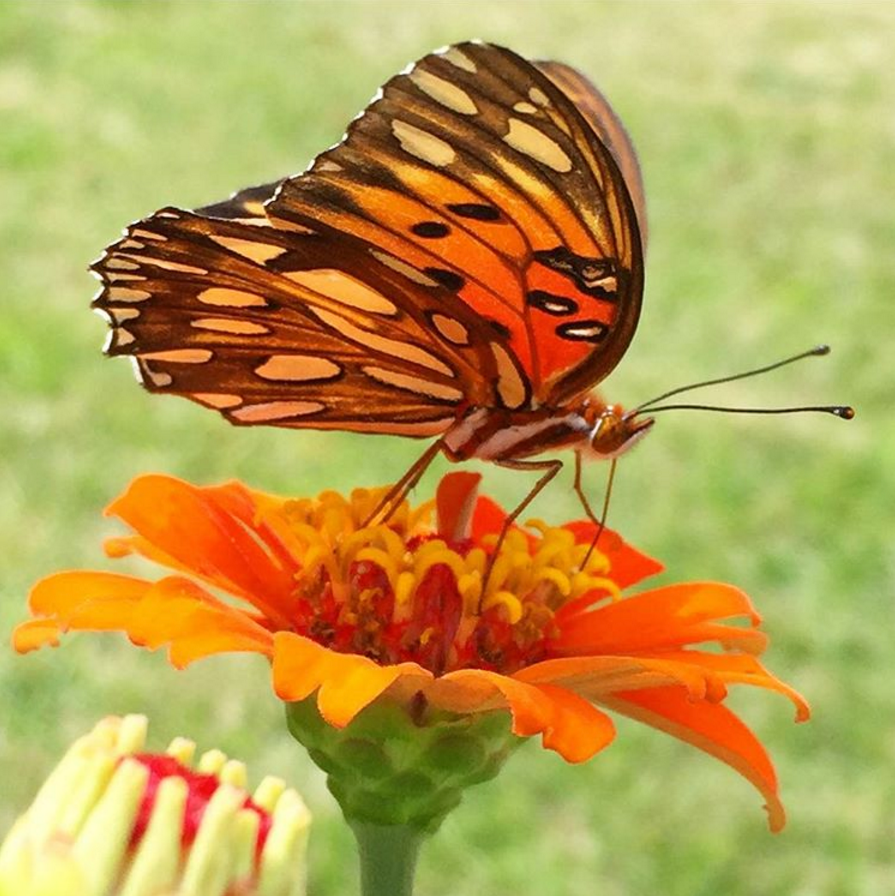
(402, 591)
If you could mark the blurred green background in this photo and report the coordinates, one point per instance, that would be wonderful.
(767, 139)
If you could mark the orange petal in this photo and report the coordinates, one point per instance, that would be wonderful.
(175, 612)
(704, 675)
(487, 518)
(215, 533)
(663, 618)
(64, 592)
(593, 677)
(568, 724)
(97, 601)
(346, 682)
(35, 633)
(455, 501)
(340, 699)
(579, 729)
(194, 624)
(264, 513)
(740, 669)
(710, 727)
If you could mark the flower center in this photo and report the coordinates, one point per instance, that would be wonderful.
(403, 592)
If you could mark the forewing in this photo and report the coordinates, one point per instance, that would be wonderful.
(475, 168)
(291, 327)
(600, 115)
(246, 205)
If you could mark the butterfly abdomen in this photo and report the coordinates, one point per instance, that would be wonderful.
(488, 434)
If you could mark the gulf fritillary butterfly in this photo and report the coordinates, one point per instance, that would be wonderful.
(466, 263)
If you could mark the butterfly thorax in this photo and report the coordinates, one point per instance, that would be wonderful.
(592, 428)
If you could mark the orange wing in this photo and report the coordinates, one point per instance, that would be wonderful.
(246, 205)
(475, 167)
(309, 329)
(591, 103)
(471, 243)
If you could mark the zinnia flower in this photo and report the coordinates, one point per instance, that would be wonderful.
(394, 617)
(112, 819)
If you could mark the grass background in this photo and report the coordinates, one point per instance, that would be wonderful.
(766, 137)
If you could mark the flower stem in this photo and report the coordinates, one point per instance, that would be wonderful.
(388, 855)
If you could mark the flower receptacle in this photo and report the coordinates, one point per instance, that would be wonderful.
(389, 766)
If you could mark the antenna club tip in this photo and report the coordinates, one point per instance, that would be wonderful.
(846, 412)
(821, 350)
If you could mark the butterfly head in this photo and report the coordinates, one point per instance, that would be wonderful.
(615, 430)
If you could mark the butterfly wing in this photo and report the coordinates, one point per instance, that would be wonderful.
(291, 327)
(470, 243)
(600, 115)
(475, 168)
(246, 205)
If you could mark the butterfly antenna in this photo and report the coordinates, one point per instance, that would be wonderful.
(843, 411)
(816, 351)
(846, 412)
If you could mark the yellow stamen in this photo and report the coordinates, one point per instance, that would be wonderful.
(335, 523)
(382, 559)
(391, 542)
(476, 560)
(529, 580)
(509, 601)
(308, 533)
(404, 588)
(319, 555)
(470, 587)
(499, 572)
(426, 559)
(597, 564)
(351, 542)
(420, 515)
(550, 534)
(560, 579)
(582, 583)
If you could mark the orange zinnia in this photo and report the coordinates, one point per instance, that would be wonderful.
(395, 614)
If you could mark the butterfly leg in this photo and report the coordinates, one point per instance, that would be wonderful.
(550, 468)
(580, 493)
(399, 491)
(601, 522)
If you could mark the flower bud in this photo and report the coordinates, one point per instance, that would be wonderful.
(111, 819)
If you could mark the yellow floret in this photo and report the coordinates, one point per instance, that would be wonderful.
(530, 578)
(509, 601)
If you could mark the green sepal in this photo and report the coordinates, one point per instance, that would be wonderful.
(387, 767)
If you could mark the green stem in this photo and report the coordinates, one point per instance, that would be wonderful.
(388, 855)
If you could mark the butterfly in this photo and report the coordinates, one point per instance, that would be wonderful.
(467, 263)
